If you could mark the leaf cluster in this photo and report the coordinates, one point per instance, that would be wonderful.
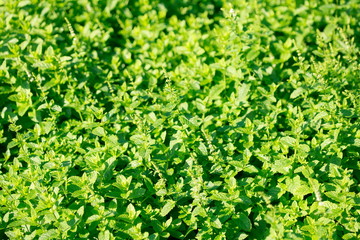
(179, 119)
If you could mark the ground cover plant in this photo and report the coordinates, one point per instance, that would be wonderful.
(179, 119)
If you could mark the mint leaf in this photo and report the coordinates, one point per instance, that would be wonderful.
(99, 131)
(169, 205)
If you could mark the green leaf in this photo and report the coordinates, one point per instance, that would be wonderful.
(137, 193)
(50, 234)
(288, 141)
(22, 108)
(99, 131)
(138, 139)
(244, 222)
(170, 204)
(126, 55)
(105, 235)
(216, 224)
(50, 84)
(203, 149)
(130, 209)
(297, 187)
(231, 70)
(297, 92)
(122, 182)
(110, 164)
(111, 4)
(238, 164)
(219, 196)
(242, 93)
(93, 218)
(216, 90)
(232, 183)
(250, 169)
(199, 211)
(252, 54)
(282, 165)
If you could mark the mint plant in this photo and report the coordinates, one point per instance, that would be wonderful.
(179, 119)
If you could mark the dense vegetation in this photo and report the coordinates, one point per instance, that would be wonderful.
(192, 119)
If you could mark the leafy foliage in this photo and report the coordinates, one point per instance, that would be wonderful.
(179, 119)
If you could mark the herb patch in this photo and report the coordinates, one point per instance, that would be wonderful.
(179, 119)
